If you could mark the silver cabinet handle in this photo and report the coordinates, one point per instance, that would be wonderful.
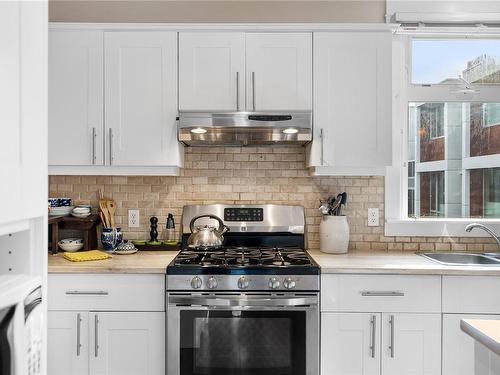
(391, 344)
(86, 293)
(369, 293)
(373, 322)
(110, 146)
(237, 91)
(78, 330)
(93, 146)
(96, 338)
(253, 90)
(322, 153)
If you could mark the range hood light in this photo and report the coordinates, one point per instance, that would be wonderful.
(198, 131)
(290, 130)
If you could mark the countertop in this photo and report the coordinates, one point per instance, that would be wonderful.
(355, 262)
(140, 262)
(393, 263)
(487, 332)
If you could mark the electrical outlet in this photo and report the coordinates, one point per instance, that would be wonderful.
(133, 218)
(373, 217)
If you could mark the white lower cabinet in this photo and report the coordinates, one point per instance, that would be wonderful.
(106, 343)
(411, 344)
(67, 343)
(350, 344)
(375, 343)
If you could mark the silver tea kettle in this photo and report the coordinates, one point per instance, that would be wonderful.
(206, 237)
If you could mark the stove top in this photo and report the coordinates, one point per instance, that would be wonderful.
(241, 257)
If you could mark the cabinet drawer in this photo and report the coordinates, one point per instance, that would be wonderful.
(123, 292)
(471, 294)
(381, 293)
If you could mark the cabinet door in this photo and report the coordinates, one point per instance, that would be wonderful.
(75, 98)
(411, 344)
(350, 344)
(352, 105)
(23, 113)
(67, 343)
(127, 343)
(458, 347)
(279, 71)
(211, 71)
(141, 98)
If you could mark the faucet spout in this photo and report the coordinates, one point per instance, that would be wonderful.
(471, 226)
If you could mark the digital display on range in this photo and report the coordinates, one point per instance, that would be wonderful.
(243, 214)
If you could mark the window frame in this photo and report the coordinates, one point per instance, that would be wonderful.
(485, 125)
(397, 222)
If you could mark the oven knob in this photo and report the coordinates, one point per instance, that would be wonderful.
(212, 282)
(274, 283)
(289, 283)
(196, 283)
(243, 282)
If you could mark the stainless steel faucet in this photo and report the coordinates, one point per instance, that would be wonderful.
(471, 226)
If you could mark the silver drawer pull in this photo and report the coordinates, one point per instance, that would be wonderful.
(391, 345)
(373, 322)
(86, 293)
(78, 329)
(96, 337)
(368, 293)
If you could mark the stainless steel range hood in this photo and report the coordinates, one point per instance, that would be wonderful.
(244, 128)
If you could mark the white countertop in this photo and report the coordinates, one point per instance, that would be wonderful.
(140, 262)
(355, 262)
(392, 263)
(487, 332)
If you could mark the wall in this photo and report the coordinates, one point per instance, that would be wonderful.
(216, 11)
(252, 175)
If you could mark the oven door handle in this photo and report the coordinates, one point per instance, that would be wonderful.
(243, 302)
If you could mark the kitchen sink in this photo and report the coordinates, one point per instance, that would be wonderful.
(462, 259)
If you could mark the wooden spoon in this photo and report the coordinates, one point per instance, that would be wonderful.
(111, 206)
(105, 213)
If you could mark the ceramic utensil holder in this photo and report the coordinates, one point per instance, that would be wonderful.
(334, 234)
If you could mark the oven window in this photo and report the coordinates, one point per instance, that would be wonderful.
(243, 342)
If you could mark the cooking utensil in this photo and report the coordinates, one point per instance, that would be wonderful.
(206, 237)
(104, 210)
(111, 206)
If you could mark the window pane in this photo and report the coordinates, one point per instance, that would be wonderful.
(446, 60)
(485, 192)
(444, 141)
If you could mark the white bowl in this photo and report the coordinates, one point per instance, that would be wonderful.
(81, 210)
(71, 244)
(60, 211)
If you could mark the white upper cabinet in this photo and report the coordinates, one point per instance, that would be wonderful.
(226, 71)
(76, 98)
(23, 114)
(211, 71)
(279, 71)
(352, 103)
(141, 98)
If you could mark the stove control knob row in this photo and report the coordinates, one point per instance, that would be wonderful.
(243, 282)
(274, 283)
(196, 282)
(212, 282)
(289, 283)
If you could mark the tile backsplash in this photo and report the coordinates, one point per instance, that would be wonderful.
(252, 175)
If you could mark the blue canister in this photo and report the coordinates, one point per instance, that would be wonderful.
(108, 239)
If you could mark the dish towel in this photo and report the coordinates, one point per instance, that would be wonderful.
(83, 256)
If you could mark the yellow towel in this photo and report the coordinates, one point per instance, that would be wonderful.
(83, 256)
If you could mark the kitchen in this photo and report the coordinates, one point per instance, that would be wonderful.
(253, 113)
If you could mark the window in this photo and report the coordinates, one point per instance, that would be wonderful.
(447, 61)
(450, 153)
(491, 114)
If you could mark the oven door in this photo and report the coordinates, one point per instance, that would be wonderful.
(225, 334)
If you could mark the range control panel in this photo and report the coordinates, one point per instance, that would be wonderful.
(243, 214)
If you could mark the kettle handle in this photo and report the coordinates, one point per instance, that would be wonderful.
(222, 228)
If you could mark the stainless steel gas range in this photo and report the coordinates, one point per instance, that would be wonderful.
(250, 306)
